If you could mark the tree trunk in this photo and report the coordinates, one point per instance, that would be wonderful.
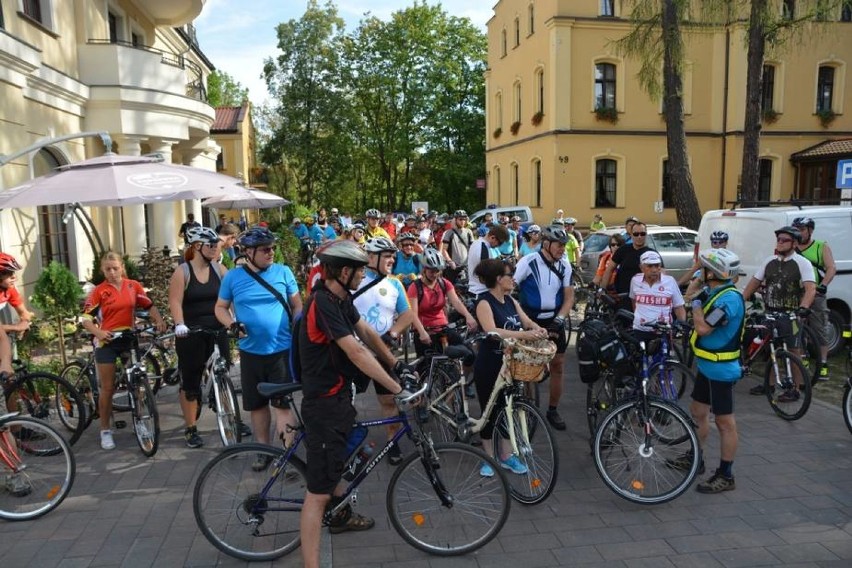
(750, 174)
(685, 201)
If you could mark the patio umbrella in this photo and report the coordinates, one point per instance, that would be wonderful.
(245, 199)
(112, 179)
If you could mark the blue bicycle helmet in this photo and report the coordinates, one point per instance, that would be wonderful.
(257, 237)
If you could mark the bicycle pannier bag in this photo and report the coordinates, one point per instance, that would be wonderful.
(597, 345)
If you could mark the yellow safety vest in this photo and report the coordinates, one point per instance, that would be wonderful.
(729, 352)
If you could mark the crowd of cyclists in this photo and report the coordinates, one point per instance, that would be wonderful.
(371, 283)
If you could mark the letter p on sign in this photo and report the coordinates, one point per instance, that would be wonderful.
(844, 174)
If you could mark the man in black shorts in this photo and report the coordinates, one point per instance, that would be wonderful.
(330, 355)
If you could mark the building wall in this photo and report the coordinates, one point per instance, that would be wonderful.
(569, 39)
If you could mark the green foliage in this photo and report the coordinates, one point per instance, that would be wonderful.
(130, 268)
(57, 292)
(608, 114)
(158, 272)
(826, 117)
(223, 90)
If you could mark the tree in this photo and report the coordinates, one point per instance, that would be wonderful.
(223, 90)
(656, 38)
(57, 294)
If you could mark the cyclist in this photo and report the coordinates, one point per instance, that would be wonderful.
(570, 224)
(373, 230)
(499, 313)
(546, 296)
(455, 244)
(9, 294)
(228, 235)
(820, 256)
(531, 241)
(692, 277)
(193, 289)
(389, 225)
(330, 355)
(656, 296)
(383, 305)
(483, 248)
(314, 231)
(718, 317)
(407, 264)
(626, 260)
(615, 241)
(789, 281)
(265, 298)
(114, 302)
(509, 248)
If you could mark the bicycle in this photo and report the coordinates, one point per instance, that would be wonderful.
(218, 390)
(519, 426)
(646, 449)
(37, 468)
(785, 381)
(46, 397)
(436, 499)
(847, 389)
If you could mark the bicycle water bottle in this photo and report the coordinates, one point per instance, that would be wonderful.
(755, 344)
(356, 438)
(359, 462)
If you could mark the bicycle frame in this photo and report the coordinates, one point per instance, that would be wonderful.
(8, 450)
(769, 332)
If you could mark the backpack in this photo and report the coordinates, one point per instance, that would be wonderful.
(419, 283)
(597, 346)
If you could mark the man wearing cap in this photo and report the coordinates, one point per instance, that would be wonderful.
(299, 230)
(455, 244)
(655, 296)
(627, 260)
(314, 232)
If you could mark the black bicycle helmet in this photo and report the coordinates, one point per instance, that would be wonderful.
(557, 234)
(792, 231)
(342, 253)
(804, 222)
(257, 237)
(717, 236)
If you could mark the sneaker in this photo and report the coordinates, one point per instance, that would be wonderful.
(758, 390)
(486, 470)
(513, 464)
(555, 420)
(17, 485)
(107, 443)
(395, 455)
(193, 440)
(789, 396)
(823, 373)
(244, 430)
(716, 484)
(261, 462)
(355, 522)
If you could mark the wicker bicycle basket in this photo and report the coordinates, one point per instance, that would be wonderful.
(527, 360)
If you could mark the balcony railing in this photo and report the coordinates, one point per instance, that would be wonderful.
(195, 86)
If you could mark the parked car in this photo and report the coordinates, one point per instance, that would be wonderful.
(675, 244)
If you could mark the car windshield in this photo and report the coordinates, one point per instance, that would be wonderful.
(596, 242)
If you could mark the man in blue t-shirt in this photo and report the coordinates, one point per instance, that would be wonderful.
(263, 323)
(718, 317)
(300, 231)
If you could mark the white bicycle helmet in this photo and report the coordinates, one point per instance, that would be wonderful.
(373, 214)
(431, 258)
(342, 253)
(725, 264)
(378, 245)
(201, 235)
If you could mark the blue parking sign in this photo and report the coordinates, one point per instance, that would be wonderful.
(844, 174)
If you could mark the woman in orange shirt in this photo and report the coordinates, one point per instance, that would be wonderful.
(615, 241)
(113, 302)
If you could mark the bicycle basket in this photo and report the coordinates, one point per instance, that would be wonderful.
(527, 360)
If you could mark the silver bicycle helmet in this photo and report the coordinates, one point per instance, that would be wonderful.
(342, 253)
(725, 264)
(554, 233)
(378, 245)
(201, 235)
(431, 258)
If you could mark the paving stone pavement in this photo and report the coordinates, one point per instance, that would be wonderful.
(792, 506)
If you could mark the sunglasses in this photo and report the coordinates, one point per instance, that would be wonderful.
(639, 234)
(715, 242)
(783, 240)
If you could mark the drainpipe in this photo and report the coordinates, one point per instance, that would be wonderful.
(725, 114)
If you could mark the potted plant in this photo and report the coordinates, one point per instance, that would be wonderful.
(57, 294)
(515, 127)
(608, 114)
(770, 116)
(826, 116)
(497, 132)
(536, 118)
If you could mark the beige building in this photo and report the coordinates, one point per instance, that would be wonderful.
(233, 131)
(132, 68)
(568, 126)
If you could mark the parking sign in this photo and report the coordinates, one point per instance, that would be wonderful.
(844, 174)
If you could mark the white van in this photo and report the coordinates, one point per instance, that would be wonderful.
(521, 211)
(752, 237)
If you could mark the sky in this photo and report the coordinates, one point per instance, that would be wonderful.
(237, 35)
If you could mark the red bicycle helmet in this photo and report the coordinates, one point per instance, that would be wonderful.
(8, 263)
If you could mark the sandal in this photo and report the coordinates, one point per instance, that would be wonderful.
(355, 522)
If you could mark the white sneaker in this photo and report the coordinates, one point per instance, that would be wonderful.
(107, 443)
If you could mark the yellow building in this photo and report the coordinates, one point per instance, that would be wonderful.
(568, 126)
(131, 68)
(233, 131)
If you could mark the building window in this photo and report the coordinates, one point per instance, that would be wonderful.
(846, 11)
(53, 232)
(503, 43)
(536, 170)
(607, 7)
(531, 18)
(539, 86)
(32, 8)
(604, 85)
(825, 88)
(668, 186)
(605, 183)
(767, 97)
(764, 180)
(517, 32)
(2, 21)
(113, 20)
(517, 101)
(220, 161)
(497, 183)
(136, 40)
(498, 104)
(788, 9)
(516, 183)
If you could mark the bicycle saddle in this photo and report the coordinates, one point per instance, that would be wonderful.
(271, 390)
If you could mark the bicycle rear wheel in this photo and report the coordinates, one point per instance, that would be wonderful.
(646, 469)
(669, 379)
(788, 399)
(537, 451)
(77, 372)
(227, 410)
(234, 512)
(478, 506)
(50, 398)
(601, 396)
(146, 419)
(40, 471)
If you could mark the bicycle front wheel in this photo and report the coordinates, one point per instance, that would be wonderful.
(601, 396)
(847, 404)
(646, 457)
(227, 411)
(52, 399)
(239, 514)
(788, 386)
(40, 469)
(536, 451)
(477, 507)
(146, 419)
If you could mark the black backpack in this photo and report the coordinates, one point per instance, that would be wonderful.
(419, 284)
(597, 346)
